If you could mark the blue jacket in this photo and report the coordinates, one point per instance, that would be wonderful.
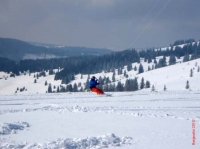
(93, 83)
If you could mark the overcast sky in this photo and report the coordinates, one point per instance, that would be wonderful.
(113, 24)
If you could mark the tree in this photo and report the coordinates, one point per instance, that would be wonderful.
(69, 88)
(142, 85)
(141, 69)
(49, 88)
(186, 58)
(35, 81)
(113, 77)
(187, 85)
(165, 88)
(172, 60)
(129, 66)
(75, 88)
(45, 83)
(191, 72)
(135, 68)
(58, 89)
(147, 85)
(119, 87)
(153, 88)
(149, 68)
(87, 84)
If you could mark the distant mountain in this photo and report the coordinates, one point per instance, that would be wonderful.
(18, 50)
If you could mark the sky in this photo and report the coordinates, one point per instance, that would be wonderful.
(112, 24)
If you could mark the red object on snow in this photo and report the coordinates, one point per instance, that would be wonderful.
(97, 90)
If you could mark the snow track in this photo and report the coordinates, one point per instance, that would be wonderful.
(67, 121)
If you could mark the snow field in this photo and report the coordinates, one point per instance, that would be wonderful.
(129, 120)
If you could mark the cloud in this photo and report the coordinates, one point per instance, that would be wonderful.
(100, 23)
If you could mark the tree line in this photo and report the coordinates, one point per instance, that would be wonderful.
(95, 64)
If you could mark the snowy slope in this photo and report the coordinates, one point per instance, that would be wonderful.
(127, 120)
(10, 84)
(175, 74)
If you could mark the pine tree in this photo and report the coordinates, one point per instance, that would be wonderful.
(113, 77)
(198, 69)
(165, 88)
(75, 88)
(135, 68)
(141, 69)
(187, 85)
(45, 83)
(49, 88)
(147, 85)
(135, 84)
(35, 81)
(191, 72)
(87, 84)
(69, 88)
(142, 85)
(153, 88)
(129, 67)
(127, 86)
(119, 87)
(58, 89)
(124, 73)
(149, 68)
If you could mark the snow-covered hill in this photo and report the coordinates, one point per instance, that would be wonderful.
(174, 77)
(33, 119)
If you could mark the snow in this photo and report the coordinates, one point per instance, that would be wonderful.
(129, 120)
(143, 119)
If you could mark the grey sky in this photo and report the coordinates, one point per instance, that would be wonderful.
(114, 24)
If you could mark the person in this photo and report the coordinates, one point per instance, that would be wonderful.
(93, 83)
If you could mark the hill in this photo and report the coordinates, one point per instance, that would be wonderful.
(18, 50)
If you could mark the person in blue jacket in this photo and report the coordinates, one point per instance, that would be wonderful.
(93, 83)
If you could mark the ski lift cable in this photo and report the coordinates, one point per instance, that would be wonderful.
(150, 23)
(145, 17)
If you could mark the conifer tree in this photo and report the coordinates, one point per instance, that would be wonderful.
(75, 88)
(49, 88)
(149, 68)
(187, 85)
(87, 84)
(165, 88)
(191, 72)
(58, 89)
(135, 68)
(153, 88)
(119, 87)
(129, 67)
(141, 69)
(113, 77)
(35, 81)
(142, 85)
(147, 85)
(135, 84)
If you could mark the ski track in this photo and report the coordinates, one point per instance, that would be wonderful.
(136, 111)
(147, 105)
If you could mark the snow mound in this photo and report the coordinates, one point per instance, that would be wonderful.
(101, 142)
(9, 128)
